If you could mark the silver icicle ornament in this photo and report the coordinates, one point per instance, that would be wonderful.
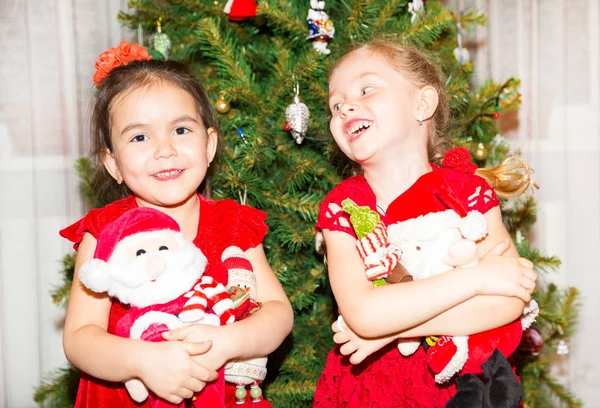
(297, 115)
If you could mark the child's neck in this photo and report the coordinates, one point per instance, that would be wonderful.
(390, 179)
(187, 215)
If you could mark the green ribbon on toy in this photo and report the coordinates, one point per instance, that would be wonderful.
(364, 220)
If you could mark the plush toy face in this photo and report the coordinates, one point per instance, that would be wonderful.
(246, 283)
(148, 268)
(432, 244)
(425, 258)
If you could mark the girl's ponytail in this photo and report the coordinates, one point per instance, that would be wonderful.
(509, 179)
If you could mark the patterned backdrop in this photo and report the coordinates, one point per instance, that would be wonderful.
(48, 49)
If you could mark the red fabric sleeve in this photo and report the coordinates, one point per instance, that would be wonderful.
(459, 172)
(96, 219)
(247, 224)
(480, 195)
(331, 215)
(227, 223)
(473, 191)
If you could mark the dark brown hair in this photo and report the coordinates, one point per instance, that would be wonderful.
(128, 78)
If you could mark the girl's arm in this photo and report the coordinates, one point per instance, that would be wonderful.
(255, 336)
(402, 308)
(261, 333)
(166, 368)
(481, 312)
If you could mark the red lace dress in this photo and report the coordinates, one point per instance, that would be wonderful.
(386, 378)
(222, 224)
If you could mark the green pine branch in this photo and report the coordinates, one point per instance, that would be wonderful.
(59, 389)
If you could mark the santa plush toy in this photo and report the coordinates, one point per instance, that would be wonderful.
(142, 259)
(434, 233)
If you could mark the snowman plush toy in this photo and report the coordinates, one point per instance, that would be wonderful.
(143, 260)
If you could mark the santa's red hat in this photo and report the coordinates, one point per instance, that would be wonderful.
(431, 194)
(134, 221)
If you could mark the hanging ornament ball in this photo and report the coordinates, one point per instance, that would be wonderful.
(462, 55)
(481, 153)
(222, 105)
(531, 342)
(562, 348)
(496, 115)
(287, 127)
(255, 392)
(240, 393)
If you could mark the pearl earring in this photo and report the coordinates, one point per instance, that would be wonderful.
(119, 181)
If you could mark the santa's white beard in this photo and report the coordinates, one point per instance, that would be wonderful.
(132, 285)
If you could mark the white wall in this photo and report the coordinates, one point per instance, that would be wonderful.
(553, 47)
(48, 50)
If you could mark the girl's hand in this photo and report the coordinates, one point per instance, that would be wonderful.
(352, 344)
(169, 370)
(222, 346)
(500, 275)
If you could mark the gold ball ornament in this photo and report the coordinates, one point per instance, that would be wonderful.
(222, 105)
(481, 153)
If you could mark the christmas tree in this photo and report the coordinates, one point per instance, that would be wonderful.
(266, 69)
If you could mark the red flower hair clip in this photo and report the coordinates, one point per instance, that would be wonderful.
(459, 158)
(117, 56)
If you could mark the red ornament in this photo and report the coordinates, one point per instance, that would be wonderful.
(531, 343)
(239, 10)
(496, 115)
(287, 127)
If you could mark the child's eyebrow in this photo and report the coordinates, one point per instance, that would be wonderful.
(361, 76)
(184, 118)
(130, 127)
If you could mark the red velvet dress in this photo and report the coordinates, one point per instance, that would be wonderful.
(222, 224)
(386, 378)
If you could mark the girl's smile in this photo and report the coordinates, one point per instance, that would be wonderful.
(167, 175)
(357, 127)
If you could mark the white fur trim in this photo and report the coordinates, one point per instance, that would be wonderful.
(142, 323)
(408, 347)
(474, 226)
(95, 275)
(227, 8)
(246, 371)
(530, 312)
(232, 251)
(451, 219)
(427, 227)
(458, 360)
